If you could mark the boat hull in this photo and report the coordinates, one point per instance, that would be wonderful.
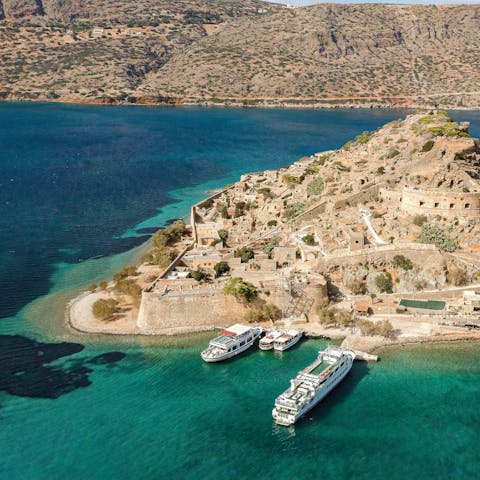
(232, 353)
(288, 420)
(282, 348)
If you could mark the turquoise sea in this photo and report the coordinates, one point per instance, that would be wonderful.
(81, 188)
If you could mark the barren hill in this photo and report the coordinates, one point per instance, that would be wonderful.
(240, 52)
(398, 54)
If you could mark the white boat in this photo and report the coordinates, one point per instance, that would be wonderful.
(266, 343)
(288, 339)
(230, 342)
(312, 384)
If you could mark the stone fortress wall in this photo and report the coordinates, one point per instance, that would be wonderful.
(447, 204)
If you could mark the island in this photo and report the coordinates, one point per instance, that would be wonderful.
(376, 243)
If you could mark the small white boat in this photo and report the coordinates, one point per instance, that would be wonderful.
(231, 341)
(266, 343)
(288, 339)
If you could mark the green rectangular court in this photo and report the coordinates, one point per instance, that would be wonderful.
(424, 304)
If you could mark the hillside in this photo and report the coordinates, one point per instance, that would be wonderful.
(239, 52)
(367, 54)
(98, 50)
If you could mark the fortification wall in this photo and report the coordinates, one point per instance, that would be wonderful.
(435, 202)
(186, 312)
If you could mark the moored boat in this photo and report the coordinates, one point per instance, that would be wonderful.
(266, 343)
(288, 339)
(312, 384)
(230, 342)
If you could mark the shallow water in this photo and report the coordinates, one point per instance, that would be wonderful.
(80, 184)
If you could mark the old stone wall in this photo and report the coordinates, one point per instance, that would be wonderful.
(446, 204)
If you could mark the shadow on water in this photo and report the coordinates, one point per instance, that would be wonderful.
(26, 368)
(342, 391)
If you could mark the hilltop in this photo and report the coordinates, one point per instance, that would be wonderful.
(240, 53)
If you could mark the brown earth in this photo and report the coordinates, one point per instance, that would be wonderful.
(226, 52)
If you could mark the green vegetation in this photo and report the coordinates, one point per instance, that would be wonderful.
(199, 275)
(221, 268)
(267, 312)
(294, 210)
(316, 186)
(449, 129)
(380, 170)
(129, 287)
(124, 273)
(103, 285)
(244, 253)
(272, 243)
(383, 328)
(309, 240)
(383, 281)
(223, 234)
(402, 262)
(427, 146)
(357, 287)
(291, 180)
(244, 291)
(162, 254)
(419, 220)
(363, 138)
(92, 287)
(434, 235)
(240, 208)
(272, 223)
(392, 154)
(105, 309)
(266, 192)
(321, 160)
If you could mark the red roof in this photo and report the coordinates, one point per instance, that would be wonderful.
(227, 333)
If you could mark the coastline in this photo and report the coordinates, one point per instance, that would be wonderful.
(309, 104)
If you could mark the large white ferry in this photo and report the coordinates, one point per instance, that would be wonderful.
(312, 384)
(231, 341)
(288, 339)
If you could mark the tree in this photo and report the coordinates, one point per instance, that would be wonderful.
(366, 327)
(384, 328)
(357, 287)
(267, 312)
(309, 239)
(402, 262)
(223, 234)
(272, 243)
(325, 314)
(343, 317)
(244, 291)
(198, 275)
(105, 309)
(103, 285)
(244, 253)
(221, 268)
(383, 281)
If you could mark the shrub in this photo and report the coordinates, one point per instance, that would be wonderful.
(267, 312)
(223, 234)
(266, 192)
(128, 287)
(245, 254)
(380, 170)
(309, 240)
(366, 327)
(402, 262)
(272, 243)
(221, 268)
(383, 281)
(169, 235)
(294, 210)
(92, 287)
(321, 160)
(124, 273)
(240, 208)
(343, 317)
(392, 154)
(198, 275)
(290, 180)
(316, 186)
(105, 309)
(428, 146)
(244, 291)
(103, 285)
(419, 220)
(272, 223)
(434, 235)
(357, 287)
(162, 257)
(457, 276)
(384, 328)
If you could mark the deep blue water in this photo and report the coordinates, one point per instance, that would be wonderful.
(74, 179)
(81, 182)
